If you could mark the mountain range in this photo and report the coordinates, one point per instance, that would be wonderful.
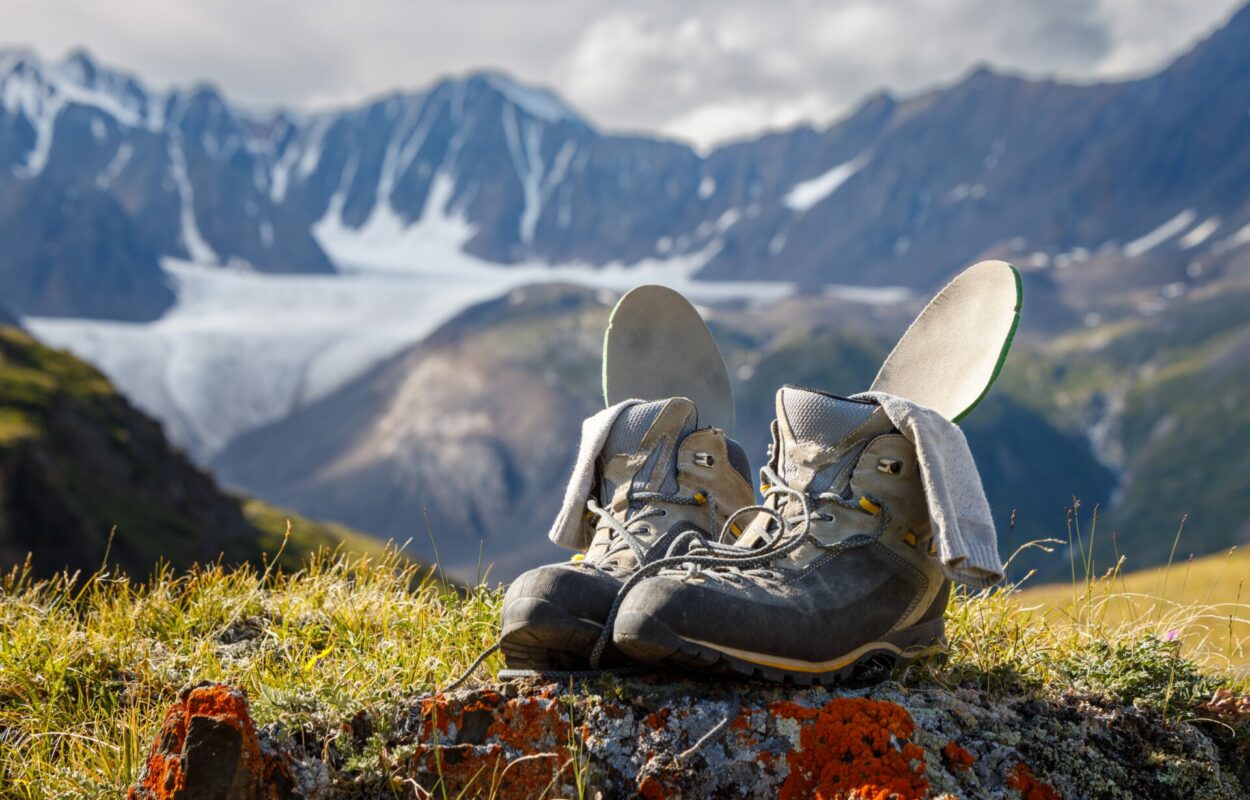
(341, 310)
(103, 176)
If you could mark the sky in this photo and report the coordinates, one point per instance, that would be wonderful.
(705, 71)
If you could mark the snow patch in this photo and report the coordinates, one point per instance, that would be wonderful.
(406, 140)
(115, 166)
(727, 220)
(539, 103)
(310, 158)
(1076, 255)
(1242, 236)
(198, 249)
(388, 243)
(870, 295)
(1160, 234)
(537, 185)
(806, 194)
(964, 191)
(1200, 233)
(280, 174)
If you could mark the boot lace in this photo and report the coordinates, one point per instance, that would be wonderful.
(739, 566)
(624, 533)
(794, 531)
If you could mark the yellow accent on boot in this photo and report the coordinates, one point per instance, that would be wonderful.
(869, 506)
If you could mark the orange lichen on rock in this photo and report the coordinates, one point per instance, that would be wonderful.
(208, 747)
(1030, 788)
(657, 720)
(530, 724)
(853, 748)
(491, 745)
(957, 759)
(650, 788)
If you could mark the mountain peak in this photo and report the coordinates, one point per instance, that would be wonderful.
(78, 62)
(539, 102)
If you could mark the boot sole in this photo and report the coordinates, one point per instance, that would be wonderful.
(648, 640)
(545, 637)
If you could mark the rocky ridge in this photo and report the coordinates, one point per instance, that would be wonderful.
(656, 739)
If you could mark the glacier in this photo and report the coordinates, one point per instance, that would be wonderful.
(240, 349)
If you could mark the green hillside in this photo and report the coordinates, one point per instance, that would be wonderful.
(84, 476)
(1164, 395)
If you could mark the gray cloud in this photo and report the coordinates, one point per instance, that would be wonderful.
(704, 70)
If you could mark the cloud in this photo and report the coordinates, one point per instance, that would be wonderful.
(706, 70)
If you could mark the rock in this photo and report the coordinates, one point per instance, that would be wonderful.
(208, 749)
(655, 739)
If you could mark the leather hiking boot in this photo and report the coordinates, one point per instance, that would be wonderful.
(662, 484)
(843, 570)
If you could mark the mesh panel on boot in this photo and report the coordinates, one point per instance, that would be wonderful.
(626, 437)
(822, 418)
(830, 422)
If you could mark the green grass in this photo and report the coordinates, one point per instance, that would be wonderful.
(88, 668)
(1202, 604)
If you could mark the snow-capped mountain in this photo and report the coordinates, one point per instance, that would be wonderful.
(100, 177)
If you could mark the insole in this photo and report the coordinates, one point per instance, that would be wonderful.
(952, 353)
(657, 346)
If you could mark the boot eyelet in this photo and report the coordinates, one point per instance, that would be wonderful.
(704, 459)
(889, 466)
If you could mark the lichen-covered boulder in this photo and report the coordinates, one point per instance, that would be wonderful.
(208, 749)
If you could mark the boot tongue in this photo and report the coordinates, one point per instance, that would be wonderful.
(821, 435)
(641, 449)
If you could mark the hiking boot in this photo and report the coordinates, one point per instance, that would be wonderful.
(662, 483)
(851, 576)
